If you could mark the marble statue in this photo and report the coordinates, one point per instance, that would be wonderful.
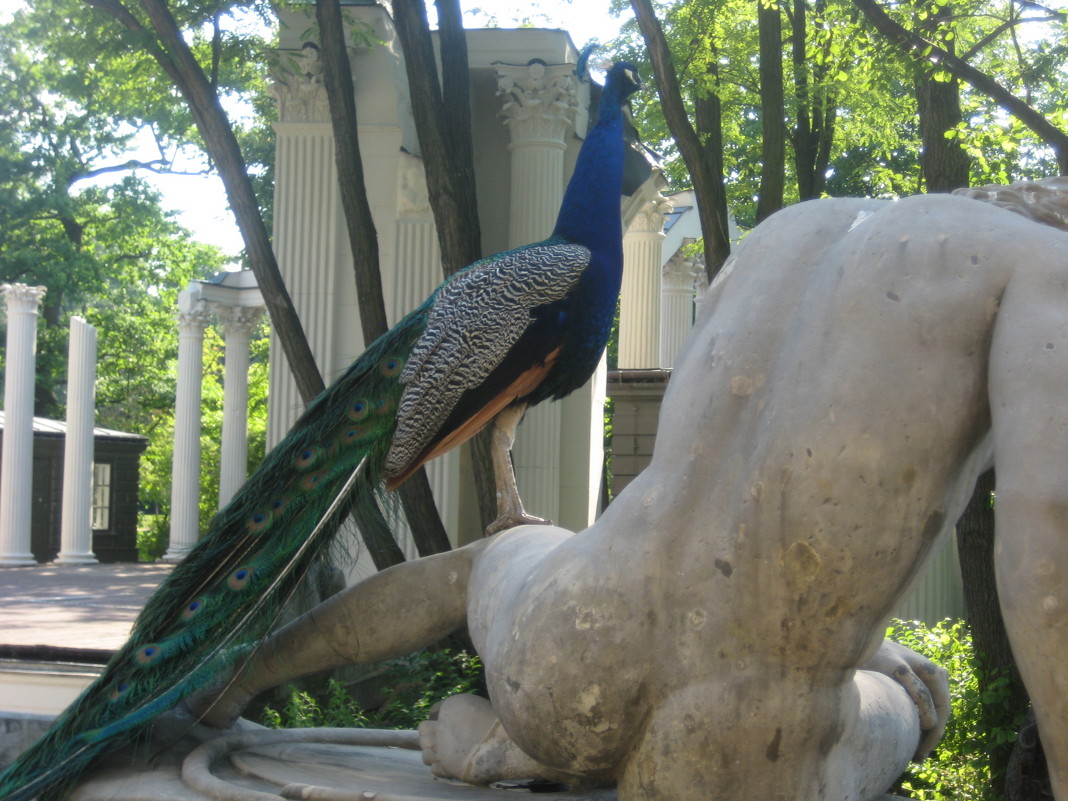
(717, 633)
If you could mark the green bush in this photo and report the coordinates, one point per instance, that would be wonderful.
(982, 726)
(415, 684)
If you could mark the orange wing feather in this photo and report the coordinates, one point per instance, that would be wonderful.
(523, 385)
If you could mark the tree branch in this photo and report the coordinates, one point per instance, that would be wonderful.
(174, 55)
(707, 181)
(921, 49)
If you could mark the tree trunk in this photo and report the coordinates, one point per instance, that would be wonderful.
(706, 172)
(443, 124)
(447, 150)
(944, 164)
(814, 111)
(772, 110)
(708, 119)
(428, 531)
(172, 53)
(975, 546)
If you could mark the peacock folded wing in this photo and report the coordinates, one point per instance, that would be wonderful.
(466, 358)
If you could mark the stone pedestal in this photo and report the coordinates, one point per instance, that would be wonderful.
(320, 764)
(17, 465)
(76, 533)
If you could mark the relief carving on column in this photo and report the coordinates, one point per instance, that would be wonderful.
(685, 270)
(298, 86)
(540, 100)
(650, 218)
(413, 199)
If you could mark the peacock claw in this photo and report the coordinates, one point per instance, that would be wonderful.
(507, 521)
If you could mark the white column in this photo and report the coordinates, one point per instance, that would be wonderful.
(309, 232)
(237, 324)
(193, 317)
(539, 108)
(16, 468)
(677, 305)
(639, 299)
(76, 532)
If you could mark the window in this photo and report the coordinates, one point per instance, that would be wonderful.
(101, 514)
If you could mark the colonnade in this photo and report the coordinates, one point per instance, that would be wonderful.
(16, 459)
(236, 305)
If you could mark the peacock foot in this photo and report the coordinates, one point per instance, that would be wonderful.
(508, 520)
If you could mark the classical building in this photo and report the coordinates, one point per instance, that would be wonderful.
(530, 112)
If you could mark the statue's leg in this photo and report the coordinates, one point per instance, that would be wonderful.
(464, 739)
(1029, 408)
(768, 737)
(390, 614)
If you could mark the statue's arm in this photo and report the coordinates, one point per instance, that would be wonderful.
(392, 613)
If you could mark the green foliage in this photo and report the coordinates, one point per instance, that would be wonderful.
(415, 684)
(79, 93)
(868, 82)
(982, 726)
(303, 711)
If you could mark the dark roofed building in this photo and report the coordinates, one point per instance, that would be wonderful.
(116, 463)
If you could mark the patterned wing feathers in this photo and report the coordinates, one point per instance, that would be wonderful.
(474, 323)
(523, 385)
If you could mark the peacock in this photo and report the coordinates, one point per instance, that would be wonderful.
(507, 332)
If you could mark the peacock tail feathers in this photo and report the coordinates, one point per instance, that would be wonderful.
(227, 592)
(518, 328)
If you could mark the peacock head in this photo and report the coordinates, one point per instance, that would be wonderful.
(624, 76)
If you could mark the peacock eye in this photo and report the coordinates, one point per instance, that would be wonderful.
(307, 457)
(239, 578)
(192, 608)
(148, 654)
(391, 366)
(312, 480)
(358, 410)
(352, 434)
(258, 522)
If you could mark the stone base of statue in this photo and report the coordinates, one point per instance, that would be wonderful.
(255, 764)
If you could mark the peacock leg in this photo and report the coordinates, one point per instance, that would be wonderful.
(510, 511)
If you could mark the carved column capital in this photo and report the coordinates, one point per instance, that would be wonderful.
(22, 297)
(237, 320)
(682, 270)
(195, 319)
(540, 100)
(649, 219)
(298, 86)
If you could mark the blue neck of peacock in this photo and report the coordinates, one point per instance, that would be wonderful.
(590, 212)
